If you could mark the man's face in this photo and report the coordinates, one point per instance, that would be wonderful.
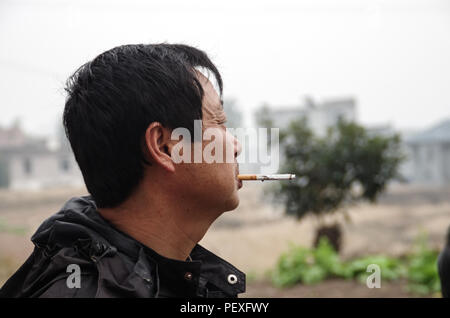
(215, 184)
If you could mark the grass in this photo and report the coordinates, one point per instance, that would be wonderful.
(16, 230)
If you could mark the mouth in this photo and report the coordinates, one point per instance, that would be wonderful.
(239, 182)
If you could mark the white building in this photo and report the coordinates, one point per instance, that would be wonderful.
(320, 116)
(429, 156)
(28, 163)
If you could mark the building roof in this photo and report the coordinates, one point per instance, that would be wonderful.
(437, 133)
(13, 140)
(309, 105)
(12, 136)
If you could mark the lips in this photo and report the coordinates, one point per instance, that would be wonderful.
(239, 182)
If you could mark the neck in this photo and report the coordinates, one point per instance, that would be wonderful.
(163, 222)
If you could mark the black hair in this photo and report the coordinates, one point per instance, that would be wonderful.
(115, 97)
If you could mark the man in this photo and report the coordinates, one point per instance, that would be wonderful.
(136, 234)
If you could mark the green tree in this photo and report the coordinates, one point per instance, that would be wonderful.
(345, 166)
(263, 116)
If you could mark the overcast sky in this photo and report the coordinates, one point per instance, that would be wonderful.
(392, 56)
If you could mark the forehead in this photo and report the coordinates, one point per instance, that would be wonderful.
(212, 106)
(211, 94)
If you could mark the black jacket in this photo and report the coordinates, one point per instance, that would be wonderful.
(112, 263)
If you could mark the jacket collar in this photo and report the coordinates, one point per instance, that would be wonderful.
(206, 273)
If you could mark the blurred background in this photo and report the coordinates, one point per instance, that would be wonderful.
(358, 88)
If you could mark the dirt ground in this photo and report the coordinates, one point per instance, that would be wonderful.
(256, 233)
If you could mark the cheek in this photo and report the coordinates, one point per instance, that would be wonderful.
(228, 143)
(216, 142)
(213, 182)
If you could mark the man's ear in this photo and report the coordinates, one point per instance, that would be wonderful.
(159, 146)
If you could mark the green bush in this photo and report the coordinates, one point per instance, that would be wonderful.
(306, 265)
(423, 277)
(313, 265)
(391, 268)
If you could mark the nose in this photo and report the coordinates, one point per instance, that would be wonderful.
(237, 147)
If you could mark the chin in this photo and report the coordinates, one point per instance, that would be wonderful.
(233, 203)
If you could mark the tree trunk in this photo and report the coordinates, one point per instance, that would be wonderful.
(332, 232)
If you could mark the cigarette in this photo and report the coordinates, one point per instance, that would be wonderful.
(263, 177)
